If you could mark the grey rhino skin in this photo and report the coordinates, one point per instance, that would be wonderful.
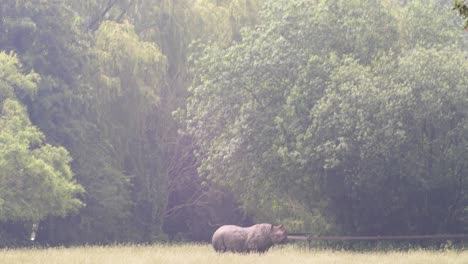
(257, 238)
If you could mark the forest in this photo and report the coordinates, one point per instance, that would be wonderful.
(138, 121)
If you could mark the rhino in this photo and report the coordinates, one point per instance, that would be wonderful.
(257, 238)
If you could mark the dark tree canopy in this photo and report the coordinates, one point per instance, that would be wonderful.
(344, 108)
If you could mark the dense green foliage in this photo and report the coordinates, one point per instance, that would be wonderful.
(140, 120)
(35, 178)
(343, 107)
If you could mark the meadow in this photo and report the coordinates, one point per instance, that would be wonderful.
(192, 253)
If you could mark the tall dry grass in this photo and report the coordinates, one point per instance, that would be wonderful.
(200, 254)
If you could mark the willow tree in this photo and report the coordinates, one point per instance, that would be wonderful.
(221, 21)
(131, 75)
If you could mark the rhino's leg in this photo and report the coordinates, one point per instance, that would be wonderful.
(223, 245)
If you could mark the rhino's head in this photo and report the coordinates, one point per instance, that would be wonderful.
(279, 234)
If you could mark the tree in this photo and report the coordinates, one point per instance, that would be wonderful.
(221, 21)
(116, 142)
(427, 24)
(112, 73)
(132, 74)
(239, 130)
(65, 111)
(311, 111)
(35, 178)
(386, 138)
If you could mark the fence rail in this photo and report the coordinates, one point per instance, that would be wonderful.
(309, 237)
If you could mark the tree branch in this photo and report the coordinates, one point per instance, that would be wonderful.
(94, 24)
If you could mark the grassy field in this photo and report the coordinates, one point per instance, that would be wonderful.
(205, 254)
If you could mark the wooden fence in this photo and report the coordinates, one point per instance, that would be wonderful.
(309, 238)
